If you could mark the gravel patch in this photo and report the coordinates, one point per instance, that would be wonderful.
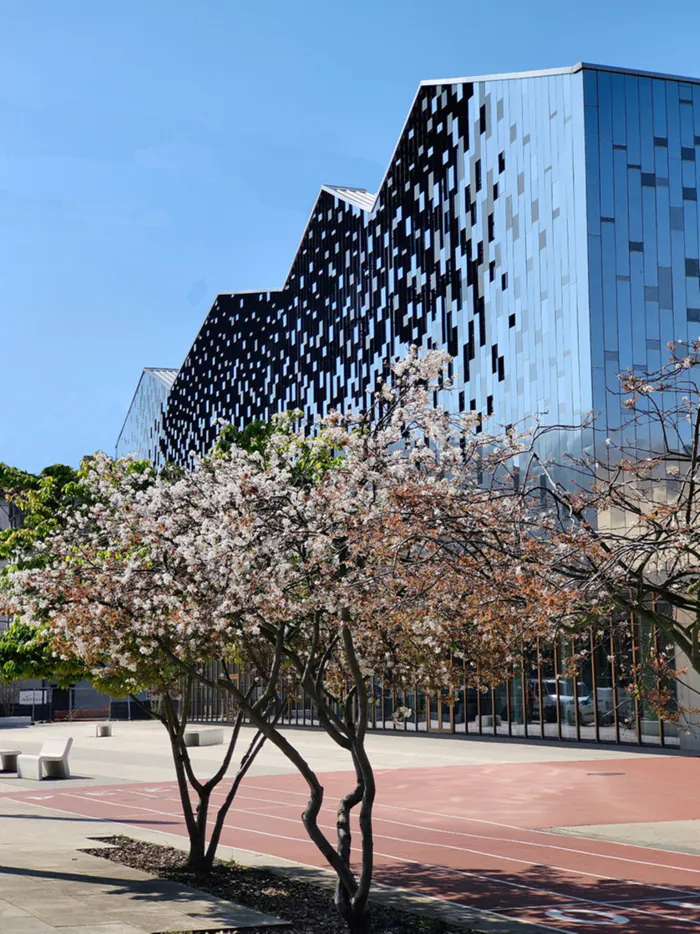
(308, 908)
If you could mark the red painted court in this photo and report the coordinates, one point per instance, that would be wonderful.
(475, 835)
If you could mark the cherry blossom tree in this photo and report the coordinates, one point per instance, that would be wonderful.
(328, 549)
(642, 484)
(611, 534)
(367, 547)
(86, 594)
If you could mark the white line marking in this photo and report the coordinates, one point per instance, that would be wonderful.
(459, 833)
(476, 820)
(573, 916)
(445, 846)
(460, 872)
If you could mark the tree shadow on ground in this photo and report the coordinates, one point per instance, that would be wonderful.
(530, 893)
(73, 817)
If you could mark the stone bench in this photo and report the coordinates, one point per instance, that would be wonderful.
(52, 761)
(8, 759)
(204, 736)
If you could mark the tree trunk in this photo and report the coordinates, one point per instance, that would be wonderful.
(202, 854)
(196, 858)
(194, 831)
(358, 923)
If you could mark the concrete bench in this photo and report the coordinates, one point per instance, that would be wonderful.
(204, 736)
(8, 759)
(52, 761)
(13, 722)
(103, 729)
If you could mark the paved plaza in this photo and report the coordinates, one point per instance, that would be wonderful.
(47, 884)
(505, 836)
(139, 751)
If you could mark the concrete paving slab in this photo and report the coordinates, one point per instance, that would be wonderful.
(47, 885)
(8, 910)
(25, 925)
(675, 836)
(117, 927)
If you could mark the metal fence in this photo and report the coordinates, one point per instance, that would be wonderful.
(44, 702)
(584, 688)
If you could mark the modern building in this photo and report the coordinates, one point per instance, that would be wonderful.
(542, 227)
(9, 519)
(142, 433)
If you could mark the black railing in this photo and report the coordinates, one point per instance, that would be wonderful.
(582, 689)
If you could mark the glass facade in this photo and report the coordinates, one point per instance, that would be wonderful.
(475, 241)
(543, 228)
(642, 150)
(142, 433)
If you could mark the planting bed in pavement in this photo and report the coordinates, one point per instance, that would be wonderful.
(308, 908)
(479, 838)
(500, 836)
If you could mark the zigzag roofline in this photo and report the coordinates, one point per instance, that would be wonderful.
(365, 201)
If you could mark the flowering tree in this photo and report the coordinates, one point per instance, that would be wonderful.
(324, 559)
(88, 595)
(644, 547)
(327, 551)
(613, 533)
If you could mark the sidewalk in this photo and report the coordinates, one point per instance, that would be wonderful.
(139, 751)
(47, 885)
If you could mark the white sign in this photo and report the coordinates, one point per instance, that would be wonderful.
(27, 698)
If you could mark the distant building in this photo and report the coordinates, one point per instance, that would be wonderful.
(542, 227)
(142, 433)
(9, 518)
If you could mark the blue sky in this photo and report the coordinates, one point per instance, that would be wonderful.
(155, 153)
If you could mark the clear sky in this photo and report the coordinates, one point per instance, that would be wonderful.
(156, 152)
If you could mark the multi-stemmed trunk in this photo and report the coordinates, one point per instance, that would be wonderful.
(202, 848)
(348, 730)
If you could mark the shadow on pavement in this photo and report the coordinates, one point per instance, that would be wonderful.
(541, 893)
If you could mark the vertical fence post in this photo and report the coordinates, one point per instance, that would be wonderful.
(464, 689)
(510, 687)
(576, 710)
(613, 680)
(635, 657)
(557, 686)
(594, 687)
(540, 699)
(523, 693)
(655, 637)
(478, 704)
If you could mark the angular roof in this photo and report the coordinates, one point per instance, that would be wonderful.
(549, 72)
(360, 197)
(366, 201)
(164, 374)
